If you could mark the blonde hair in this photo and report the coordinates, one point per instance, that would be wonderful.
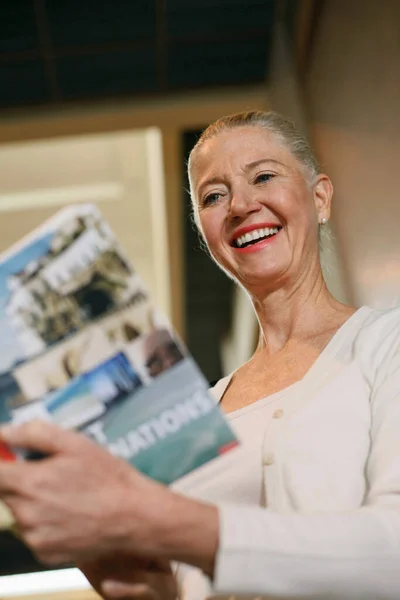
(282, 128)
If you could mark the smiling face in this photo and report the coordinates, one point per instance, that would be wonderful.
(257, 210)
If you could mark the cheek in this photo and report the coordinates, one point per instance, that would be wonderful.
(292, 195)
(208, 228)
(211, 231)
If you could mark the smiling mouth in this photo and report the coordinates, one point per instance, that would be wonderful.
(255, 236)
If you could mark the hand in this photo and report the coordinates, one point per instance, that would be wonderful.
(79, 501)
(124, 576)
(82, 503)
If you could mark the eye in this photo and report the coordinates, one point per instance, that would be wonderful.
(211, 199)
(264, 177)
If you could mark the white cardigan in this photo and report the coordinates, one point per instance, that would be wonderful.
(330, 528)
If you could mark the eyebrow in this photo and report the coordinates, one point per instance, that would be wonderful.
(207, 182)
(256, 163)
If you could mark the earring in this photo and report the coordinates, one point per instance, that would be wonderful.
(323, 221)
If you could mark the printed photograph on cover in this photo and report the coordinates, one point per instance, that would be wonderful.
(86, 397)
(154, 353)
(83, 351)
(67, 275)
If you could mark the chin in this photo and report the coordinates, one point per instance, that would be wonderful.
(256, 279)
(255, 274)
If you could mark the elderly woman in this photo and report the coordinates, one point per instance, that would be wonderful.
(309, 506)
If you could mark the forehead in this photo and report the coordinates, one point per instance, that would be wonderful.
(238, 147)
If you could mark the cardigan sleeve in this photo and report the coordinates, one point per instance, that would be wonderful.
(349, 554)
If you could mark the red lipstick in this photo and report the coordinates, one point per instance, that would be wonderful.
(256, 246)
(249, 228)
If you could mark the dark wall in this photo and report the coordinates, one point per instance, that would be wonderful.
(15, 557)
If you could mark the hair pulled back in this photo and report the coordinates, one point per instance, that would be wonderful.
(283, 129)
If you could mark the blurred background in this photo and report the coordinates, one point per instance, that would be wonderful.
(102, 100)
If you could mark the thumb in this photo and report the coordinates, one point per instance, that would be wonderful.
(41, 436)
(117, 590)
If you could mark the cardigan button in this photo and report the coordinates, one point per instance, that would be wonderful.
(278, 414)
(269, 459)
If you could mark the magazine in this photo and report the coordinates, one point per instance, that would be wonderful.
(82, 345)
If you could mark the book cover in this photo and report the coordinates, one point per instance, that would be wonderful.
(82, 345)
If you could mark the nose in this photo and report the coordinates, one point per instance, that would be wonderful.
(243, 202)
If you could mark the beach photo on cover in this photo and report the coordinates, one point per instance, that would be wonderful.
(53, 287)
(87, 396)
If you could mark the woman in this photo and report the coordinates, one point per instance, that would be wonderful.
(309, 507)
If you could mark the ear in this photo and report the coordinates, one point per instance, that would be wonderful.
(323, 191)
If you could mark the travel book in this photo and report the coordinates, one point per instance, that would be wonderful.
(82, 345)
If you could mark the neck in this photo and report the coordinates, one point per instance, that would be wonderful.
(297, 313)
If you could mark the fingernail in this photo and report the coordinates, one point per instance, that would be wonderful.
(108, 587)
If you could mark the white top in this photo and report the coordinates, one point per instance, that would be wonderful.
(327, 522)
(238, 474)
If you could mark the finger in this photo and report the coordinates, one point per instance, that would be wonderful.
(40, 436)
(12, 474)
(121, 566)
(117, 590)
(100, 569)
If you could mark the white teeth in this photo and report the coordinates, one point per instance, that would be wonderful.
(255, 235)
